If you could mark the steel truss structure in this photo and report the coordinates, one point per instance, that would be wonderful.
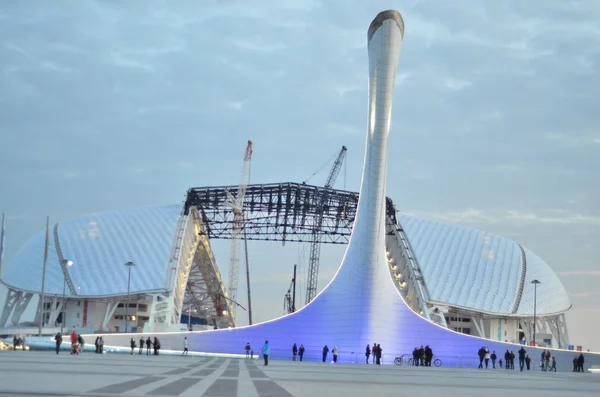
(283, 212)
(294, 212)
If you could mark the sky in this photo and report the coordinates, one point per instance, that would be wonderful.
(108, 105)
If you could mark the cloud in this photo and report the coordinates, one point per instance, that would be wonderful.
(578, 273)
(457, 85)
(552, 216)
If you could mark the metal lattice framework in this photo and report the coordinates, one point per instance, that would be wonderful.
(281, 212)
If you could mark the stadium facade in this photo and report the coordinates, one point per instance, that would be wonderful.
(401, 284)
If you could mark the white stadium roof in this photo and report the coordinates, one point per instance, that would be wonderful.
(461, 266)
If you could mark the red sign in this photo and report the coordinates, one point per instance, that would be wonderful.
(579, 348)
(85, 310)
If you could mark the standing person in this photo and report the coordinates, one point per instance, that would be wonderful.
(580, 362)
(373, 350)
(553, 365)
(487, 357)
(522, 354)
(544, 360)
(132, 345)
(528, 362)
(156, 346)
(335, 354)
(185, 346)
(428, 356)
(101, 345)
(325, 351)
(81, 343)
(494, 357)
(266, 349)
(379, 353)
(58, 339)
(512, 359)
(301, 351)
(507, 359)
(142, 343)
(368, 353)
(294, 352)
(481, 354)
(148, 346)
(97, 344)
(247, 348)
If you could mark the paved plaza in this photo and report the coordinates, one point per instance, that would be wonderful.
(43, 373)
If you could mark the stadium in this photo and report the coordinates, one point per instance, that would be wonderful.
(403, 281)
(464, 279)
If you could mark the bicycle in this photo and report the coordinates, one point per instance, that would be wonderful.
(407, 359)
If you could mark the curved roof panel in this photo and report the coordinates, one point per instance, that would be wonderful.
(481, 271)
(99, 245)
(461, 266)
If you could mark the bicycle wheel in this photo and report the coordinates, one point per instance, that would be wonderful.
(437, 362)
(398, 361)
(410, 362)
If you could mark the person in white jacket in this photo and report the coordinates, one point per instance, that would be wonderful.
(185, 346)
(335, 354)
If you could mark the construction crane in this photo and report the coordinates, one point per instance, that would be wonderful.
(289, 300)
(236, 203)
(315, 246)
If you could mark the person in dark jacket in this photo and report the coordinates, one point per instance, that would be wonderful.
(368, 353)
(301, 351)
(580, 362)
(294, 352)
(148, 346)
(58, 339)
(528, 362)
(522, 354)
(494, 357)
(142, 343)
(428, 356)
(379, 354)
(132, 344)
(481, 354)
(156, 346)
(325, 351)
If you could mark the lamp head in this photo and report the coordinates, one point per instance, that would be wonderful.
(536, 282)
(67, 262)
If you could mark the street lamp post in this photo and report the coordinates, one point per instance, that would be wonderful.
(66, 263)
(129, 266)
(535, 284)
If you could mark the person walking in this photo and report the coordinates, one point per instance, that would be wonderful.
(294, 352)
(266, 349)
(301, 351)
(185, 346)
(367, 353)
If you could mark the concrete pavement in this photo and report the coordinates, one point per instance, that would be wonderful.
(43, 373)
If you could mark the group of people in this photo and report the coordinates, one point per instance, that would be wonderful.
(152, 345)
(18, 342)
(422, 356)
(299, 352)
(376, 352)
(77, 342)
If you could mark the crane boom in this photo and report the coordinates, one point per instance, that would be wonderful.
(315, 246)
(237, 205)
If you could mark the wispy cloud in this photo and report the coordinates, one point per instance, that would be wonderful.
(552, 216)
(578, 273)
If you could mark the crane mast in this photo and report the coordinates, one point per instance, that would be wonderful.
(237, 205)
(315, 246)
